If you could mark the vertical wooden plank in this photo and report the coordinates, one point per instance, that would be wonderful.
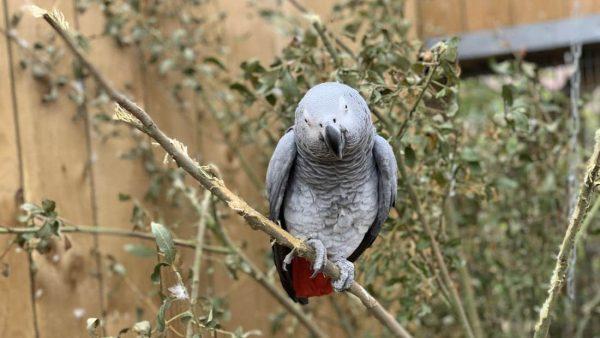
(487, 14)
(537, 10)
(441, 17)
(411, 11)
(261, 42)
(588, 7)
(123, 295)
(16, 309)
(54, 166)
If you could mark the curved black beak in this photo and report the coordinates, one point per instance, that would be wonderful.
(334, 140)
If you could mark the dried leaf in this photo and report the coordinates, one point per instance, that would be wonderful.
(92, 327)
(143, 328)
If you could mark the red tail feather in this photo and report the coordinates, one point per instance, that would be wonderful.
(304, 285)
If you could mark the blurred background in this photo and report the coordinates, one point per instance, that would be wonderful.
(494, 129)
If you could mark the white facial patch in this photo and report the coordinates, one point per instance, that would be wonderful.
(343, 105)
(305, 116)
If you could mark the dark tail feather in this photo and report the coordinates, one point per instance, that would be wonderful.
(279, 253)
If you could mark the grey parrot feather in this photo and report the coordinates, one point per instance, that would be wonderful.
(278, 172)
(385, 161)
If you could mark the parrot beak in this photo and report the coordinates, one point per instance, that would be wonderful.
(334, 139)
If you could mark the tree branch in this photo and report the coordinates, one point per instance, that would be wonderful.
(418, 100)
(575, 225)
(111, 232)
(203, 213)
(437, 252)
(217, 187)
(322, 30)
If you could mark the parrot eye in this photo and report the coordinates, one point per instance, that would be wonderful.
(306, 120)
(346, 107)
(320, 124)
(334, 120)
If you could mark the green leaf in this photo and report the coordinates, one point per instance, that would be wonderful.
(215, 61)
(507, 94)
(155, 276)
(124, 197)
(469, 155)
(50, 227)
(139, 250)
(352, 28)
(164, 240)
(409, 156)
(122, 332)
(160, 316)
(48, 205)
(242, 89)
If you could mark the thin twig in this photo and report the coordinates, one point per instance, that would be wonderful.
(345, 323)
(455, 297)
(439, 257)
(321, 30)
(318, 26)
(196, 267)
(411, 112)
(463, 272)
(110, 232)
(339, 42)
(575, 224)
(215, 185)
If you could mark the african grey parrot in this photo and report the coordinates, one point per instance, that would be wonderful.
(331, 181)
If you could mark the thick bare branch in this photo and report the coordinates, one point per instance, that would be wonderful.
(217, 187)
(575, 225)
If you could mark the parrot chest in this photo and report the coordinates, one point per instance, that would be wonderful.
(338, 210)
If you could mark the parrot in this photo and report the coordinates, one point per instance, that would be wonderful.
(331, 181)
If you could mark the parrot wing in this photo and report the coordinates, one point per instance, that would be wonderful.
(385, 161)
(278, 174)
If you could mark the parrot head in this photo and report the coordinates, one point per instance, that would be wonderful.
(332, 121)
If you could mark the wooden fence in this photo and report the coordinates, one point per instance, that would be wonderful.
(441, 17)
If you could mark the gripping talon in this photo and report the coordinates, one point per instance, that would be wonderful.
(344, 282)
(320, 254)
(287, 260)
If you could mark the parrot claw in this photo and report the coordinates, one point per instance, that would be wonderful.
(287, 260)
(344, 282)
(320, 255)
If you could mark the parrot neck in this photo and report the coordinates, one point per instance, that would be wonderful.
(355, 166)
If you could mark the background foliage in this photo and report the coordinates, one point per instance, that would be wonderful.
(486, 161)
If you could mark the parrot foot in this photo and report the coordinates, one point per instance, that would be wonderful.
(346, 275)
(320, 255)
(287, 260)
